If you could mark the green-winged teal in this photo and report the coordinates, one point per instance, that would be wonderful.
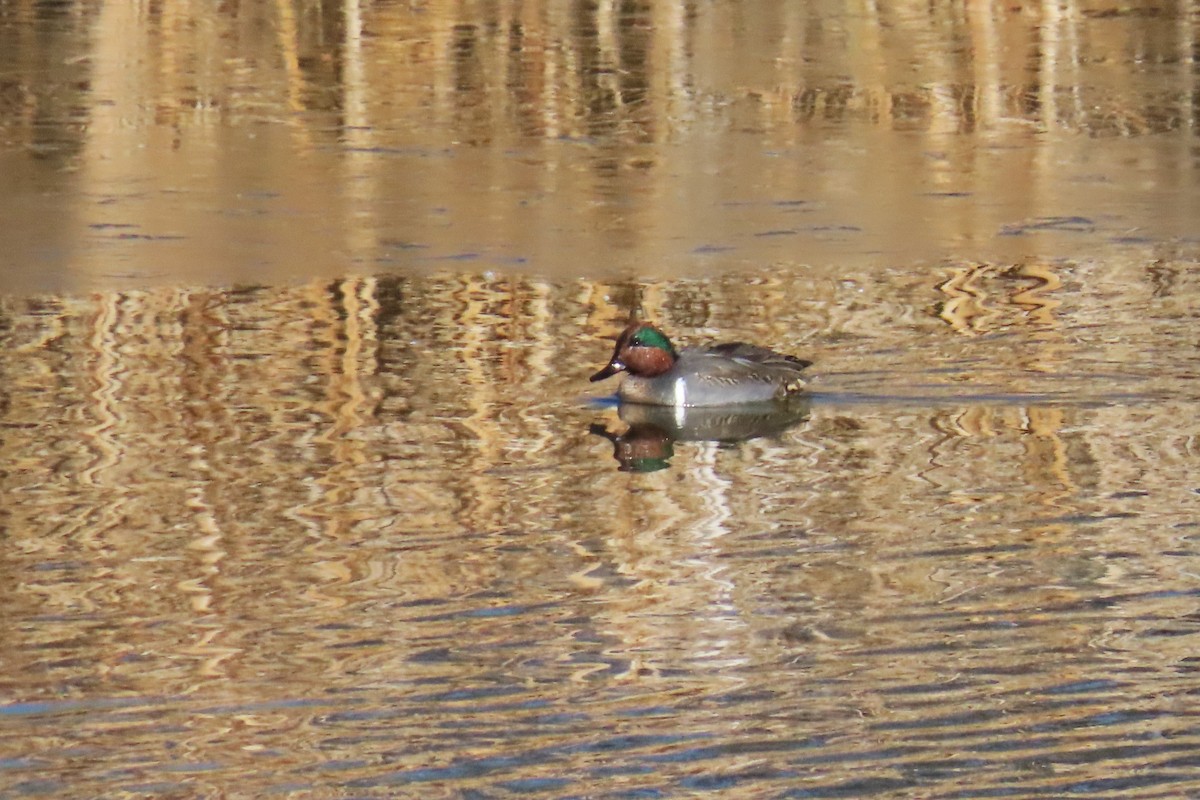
(712, 375)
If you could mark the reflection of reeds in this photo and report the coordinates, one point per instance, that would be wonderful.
(636, 73)
(275, 139)
(984, 298)
(315, 492)
(409, 407)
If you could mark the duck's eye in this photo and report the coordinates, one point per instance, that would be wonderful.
(648, 337)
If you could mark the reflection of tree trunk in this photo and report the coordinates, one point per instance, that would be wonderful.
(1047, 468)
(289, 42)
(1039, 300)
(112, 153)
(360, 183)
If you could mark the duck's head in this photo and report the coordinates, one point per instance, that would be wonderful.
(641, 350)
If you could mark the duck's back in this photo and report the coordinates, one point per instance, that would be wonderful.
(760, 359)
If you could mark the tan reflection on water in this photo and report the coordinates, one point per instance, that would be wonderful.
(354, 535)
(270, 141)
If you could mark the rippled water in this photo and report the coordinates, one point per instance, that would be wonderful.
(306, 492)
(156, 143)
(330, 540)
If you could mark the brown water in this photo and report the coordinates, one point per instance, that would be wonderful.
(303, 494)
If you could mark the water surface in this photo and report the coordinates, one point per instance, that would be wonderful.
(261, 142)
(331, 540)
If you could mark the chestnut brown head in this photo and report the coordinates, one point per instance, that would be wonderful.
(641, 350)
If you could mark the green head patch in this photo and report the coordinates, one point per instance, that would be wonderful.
(647, 336)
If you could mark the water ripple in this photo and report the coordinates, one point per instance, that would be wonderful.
(253, 544)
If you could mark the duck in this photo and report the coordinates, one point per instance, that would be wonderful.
(726, 374)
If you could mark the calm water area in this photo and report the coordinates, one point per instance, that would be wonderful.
(305, 491)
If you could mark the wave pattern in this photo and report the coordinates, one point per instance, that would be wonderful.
(352, 538)
(179, 143)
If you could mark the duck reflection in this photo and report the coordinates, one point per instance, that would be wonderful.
(648, 442)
